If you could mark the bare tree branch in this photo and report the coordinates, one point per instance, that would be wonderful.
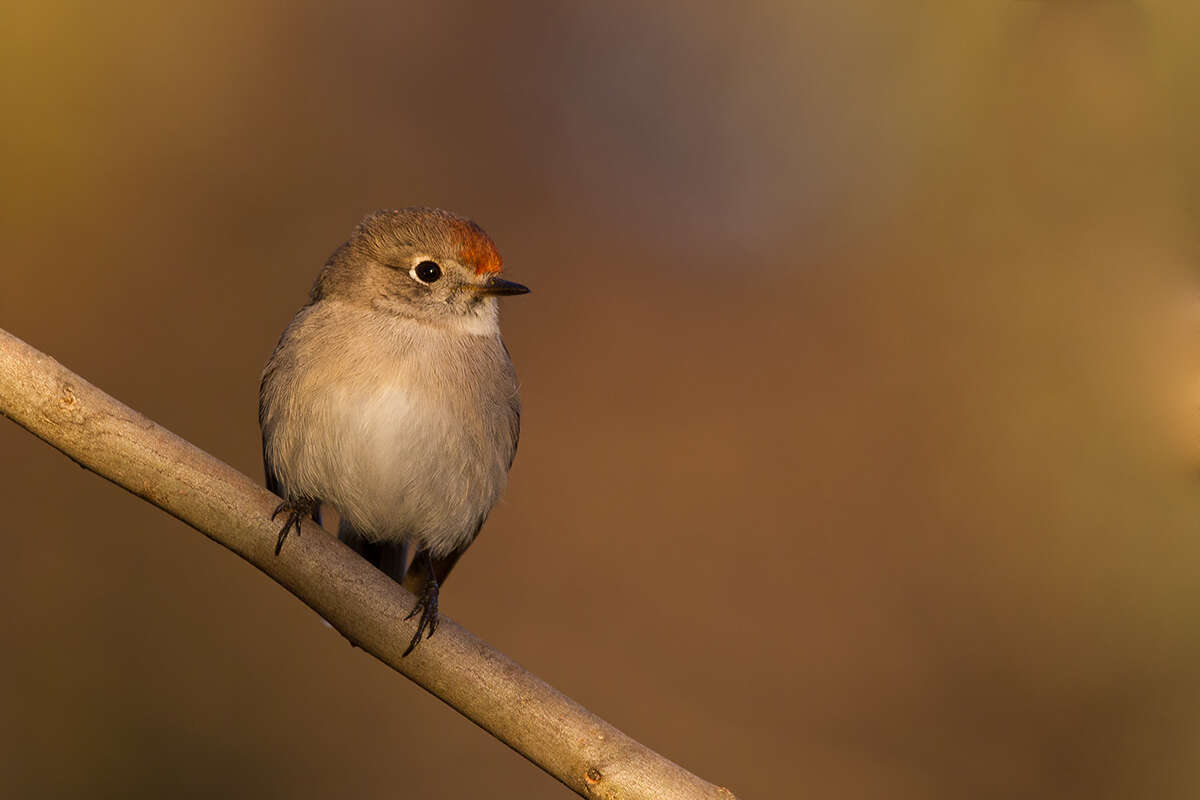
(557, 734)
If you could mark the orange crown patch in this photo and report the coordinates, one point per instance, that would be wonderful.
(478, 249)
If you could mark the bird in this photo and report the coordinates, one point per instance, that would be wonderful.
(391, 398)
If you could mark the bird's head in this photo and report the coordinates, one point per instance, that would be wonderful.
(418, 262)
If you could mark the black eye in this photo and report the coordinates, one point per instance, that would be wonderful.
(427, 271)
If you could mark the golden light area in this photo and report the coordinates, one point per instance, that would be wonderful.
(860, 448)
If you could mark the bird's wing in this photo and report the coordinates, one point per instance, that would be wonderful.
(514, 408)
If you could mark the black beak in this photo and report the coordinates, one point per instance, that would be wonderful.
(498, 286)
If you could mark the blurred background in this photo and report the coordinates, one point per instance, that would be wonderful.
(861, 381)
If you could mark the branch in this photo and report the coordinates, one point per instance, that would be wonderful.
(554, 732)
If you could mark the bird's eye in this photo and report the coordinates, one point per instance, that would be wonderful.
(427, 271)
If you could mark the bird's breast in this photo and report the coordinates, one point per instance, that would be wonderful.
(405, 436)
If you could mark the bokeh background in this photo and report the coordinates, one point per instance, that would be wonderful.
(861, 381)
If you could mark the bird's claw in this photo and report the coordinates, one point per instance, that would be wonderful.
(296, 510)
(427, 604)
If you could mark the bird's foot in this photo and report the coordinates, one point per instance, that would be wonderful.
(296, 509)
(427, 604)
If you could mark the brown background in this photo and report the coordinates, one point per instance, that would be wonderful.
(860, 379)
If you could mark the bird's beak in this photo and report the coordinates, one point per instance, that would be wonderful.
(495, 287)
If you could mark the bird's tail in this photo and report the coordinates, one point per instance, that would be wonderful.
(390, 557)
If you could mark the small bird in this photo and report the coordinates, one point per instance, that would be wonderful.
(391, 397)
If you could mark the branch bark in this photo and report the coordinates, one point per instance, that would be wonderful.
(554, 732)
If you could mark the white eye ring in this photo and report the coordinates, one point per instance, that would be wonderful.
(426, 272)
